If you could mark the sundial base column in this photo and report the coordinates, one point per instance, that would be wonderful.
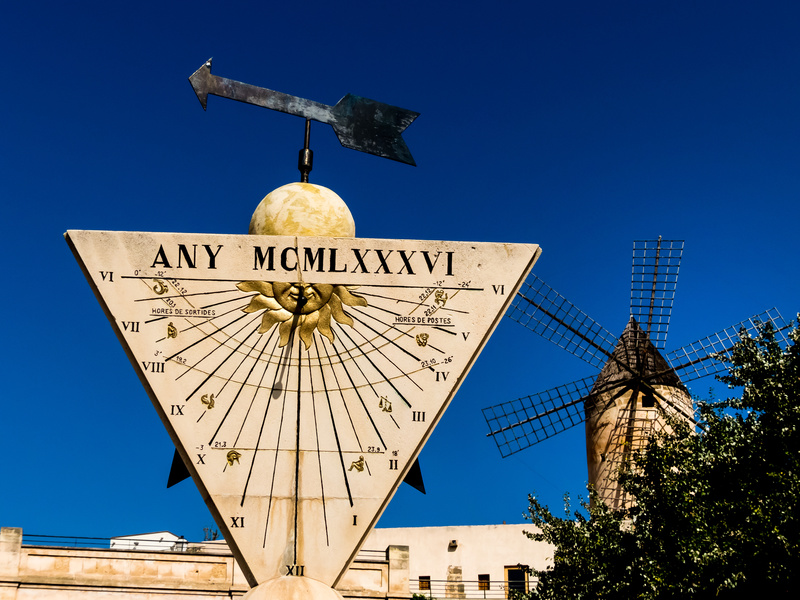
(292, 588)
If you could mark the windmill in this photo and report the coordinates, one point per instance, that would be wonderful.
(637, 385)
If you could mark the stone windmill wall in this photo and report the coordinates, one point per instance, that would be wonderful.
(628, 403)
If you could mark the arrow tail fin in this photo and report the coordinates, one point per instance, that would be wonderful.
(373, 127)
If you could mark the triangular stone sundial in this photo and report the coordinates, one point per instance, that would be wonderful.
(299, 378)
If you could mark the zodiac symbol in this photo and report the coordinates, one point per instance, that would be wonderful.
(233, 457)
(160, 287)
(422, 339)
(385, 405)
(358, 465)
(440, 297)
(208, 400)
(172, 332)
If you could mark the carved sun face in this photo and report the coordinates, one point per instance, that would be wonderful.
(301, 306)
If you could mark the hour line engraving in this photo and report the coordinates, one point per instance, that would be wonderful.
(375, 366)
(297, 456)
(316, 439)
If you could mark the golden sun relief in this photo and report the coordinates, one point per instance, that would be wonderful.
(301, 306)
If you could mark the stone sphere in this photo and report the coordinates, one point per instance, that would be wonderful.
(303, 209)
(292, 588)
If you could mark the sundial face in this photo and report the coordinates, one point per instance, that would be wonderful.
(299, 377)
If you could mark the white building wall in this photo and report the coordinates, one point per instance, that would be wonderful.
(150, 542)
(478, 550)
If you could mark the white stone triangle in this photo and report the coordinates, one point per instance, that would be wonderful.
(298, 424)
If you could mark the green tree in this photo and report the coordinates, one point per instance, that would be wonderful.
(716, 512)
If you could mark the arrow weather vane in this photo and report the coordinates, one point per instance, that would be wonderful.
(360, 123)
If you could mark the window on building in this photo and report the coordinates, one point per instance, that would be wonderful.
(483, 582)
(425, 582)
(517, 580)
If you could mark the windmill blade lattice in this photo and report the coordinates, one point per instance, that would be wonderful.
(697, 359)
(543, 310)
(520, 423)
(654, 277)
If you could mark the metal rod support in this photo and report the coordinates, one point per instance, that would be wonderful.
(305, 161)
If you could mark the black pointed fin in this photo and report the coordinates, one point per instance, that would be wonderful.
(178, 471)
(414, 477)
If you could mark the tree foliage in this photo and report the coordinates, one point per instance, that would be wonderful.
(716, 512)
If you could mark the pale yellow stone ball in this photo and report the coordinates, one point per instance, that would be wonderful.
(303, 209)
(292, 588)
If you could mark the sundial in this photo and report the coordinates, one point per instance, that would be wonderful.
(299, 376)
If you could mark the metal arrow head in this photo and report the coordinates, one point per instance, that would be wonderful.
(359, 123)
(200, 82)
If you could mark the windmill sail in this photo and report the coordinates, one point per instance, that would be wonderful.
(654, 277)
(699, 358)
(520, 423)
(544, 311)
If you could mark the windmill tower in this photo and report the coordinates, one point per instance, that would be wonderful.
(637, 385)
(628, 403)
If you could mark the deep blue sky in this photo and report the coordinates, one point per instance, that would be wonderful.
(580, 126)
